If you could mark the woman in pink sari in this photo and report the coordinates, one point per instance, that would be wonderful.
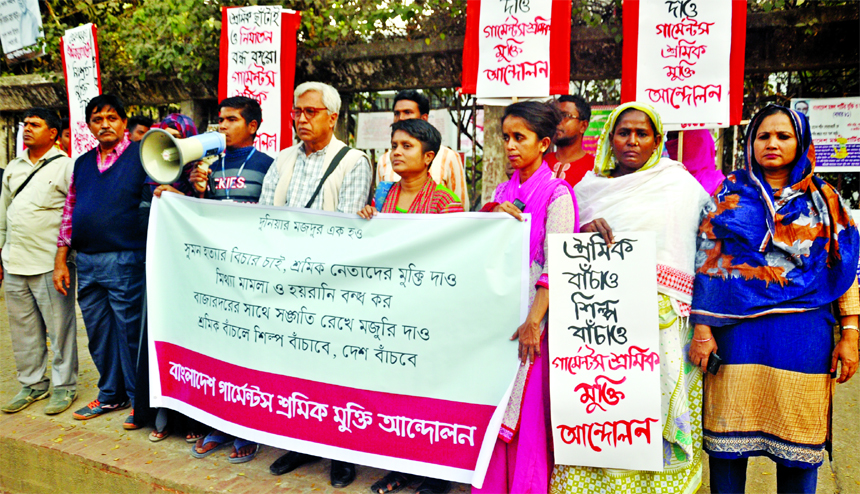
(522, 459)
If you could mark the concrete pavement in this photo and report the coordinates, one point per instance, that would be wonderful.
(43, 454)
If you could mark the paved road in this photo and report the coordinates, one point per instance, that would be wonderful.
(102, 441)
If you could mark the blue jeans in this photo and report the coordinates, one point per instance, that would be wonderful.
(110, 293)
(729, 477)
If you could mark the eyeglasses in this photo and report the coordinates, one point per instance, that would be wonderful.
(570, 116)
(310, 112)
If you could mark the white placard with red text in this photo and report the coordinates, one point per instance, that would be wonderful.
(83, 82)
(516, 48)
(604, 351)
(254, 66)
(686, 59)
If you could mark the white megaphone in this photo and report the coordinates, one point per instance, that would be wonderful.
(163, 156)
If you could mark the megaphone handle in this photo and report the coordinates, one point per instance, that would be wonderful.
(199, 178)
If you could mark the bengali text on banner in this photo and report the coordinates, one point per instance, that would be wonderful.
(258, 61)
(381, 342)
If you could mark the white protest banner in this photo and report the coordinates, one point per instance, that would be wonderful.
(516, 48)
(20, 28)
(381, 342)
(605, 351)
(19, 140)
(80, 50)
(258, 60)
(835, 126)
(686, 58)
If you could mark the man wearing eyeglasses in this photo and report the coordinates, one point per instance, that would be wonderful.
(238, 175)
(569, 161)
(320, 172)
(446, 169)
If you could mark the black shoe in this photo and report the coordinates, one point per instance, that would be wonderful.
(342, 473)
(290, 461)
(434, 486)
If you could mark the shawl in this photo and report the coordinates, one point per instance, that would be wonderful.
(763, 251)
(431, 199)
(664, 199)
(535, 193)
(699, 158)
(180, 122)
(186, 129)
(604, 160)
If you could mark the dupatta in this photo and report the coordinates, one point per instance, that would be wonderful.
(661, 197)
(535, 193)
(763, 251)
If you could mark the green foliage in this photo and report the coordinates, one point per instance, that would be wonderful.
(180, 38)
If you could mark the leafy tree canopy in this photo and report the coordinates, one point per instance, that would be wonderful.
(179, 38)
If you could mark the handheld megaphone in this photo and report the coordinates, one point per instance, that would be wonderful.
(163, 155)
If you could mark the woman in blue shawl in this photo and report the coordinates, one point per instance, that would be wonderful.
(775, 250)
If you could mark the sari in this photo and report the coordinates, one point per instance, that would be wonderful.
(522, 458)
(664, 198)
(433, 198)
(770, 263)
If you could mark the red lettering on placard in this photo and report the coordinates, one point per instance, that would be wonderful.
(611, 433)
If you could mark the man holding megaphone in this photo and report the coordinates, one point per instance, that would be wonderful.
(237, 175)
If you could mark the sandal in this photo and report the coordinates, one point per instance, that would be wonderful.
(391, 483)
(193, 436)
(242, 443)
(154, 435)
(160, 426)
(219, 438)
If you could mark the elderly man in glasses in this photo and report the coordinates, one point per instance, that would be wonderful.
(320, 172)
(345, 173)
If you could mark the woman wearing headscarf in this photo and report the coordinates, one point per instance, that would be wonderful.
(776, 249)
(522, 458)
(633, 189)
(179, 126)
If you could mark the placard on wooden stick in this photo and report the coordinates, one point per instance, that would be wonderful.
(604, 351)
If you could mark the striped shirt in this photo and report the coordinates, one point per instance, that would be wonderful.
(307, 173)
